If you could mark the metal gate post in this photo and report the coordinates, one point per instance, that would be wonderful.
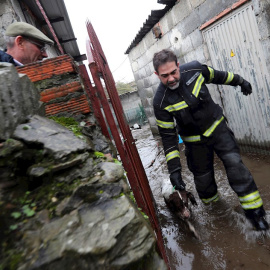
(139, 184)
(92, 95)
(120, 147)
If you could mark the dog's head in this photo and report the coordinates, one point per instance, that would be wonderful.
(178, 204)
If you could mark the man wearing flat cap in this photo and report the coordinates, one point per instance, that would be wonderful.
(25, 44)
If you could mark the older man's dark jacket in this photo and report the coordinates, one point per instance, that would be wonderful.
(4, 57)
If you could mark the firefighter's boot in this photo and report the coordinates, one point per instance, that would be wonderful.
(257, 218)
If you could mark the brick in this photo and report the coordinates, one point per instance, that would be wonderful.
(209, 9)
(149, 92)
(136, 76)
(150, 112)
(148, 70)
(181, 10)
(67, 94)
(264, 24)
(147, 82)
(142, 73)
(206, 53)
(200, 54)
(154, 79)
(186, 46)
(142, 47)
(191, 56)
(189, 24)
(48, 68)
(150, 53)
(60, 91)
(196, 38)
(152, 121)
(196, 3)
(150, 102)
(164, 42)
(134, 66)
(140, 85)
(149, 39)
(175, 39)
(171, 20)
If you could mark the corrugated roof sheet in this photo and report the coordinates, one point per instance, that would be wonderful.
(57, 13)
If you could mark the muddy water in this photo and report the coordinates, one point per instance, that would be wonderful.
(227, 239)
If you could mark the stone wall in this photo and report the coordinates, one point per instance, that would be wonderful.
(62, 204)
(18, 99)
(181, 33)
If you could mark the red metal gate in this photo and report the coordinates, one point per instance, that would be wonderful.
(129, 155)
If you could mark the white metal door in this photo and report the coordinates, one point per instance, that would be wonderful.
(234, 45)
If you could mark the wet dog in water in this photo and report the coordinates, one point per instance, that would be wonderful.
(177, 201)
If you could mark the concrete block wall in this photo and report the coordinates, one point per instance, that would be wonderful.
(181, 33)
(262, 12)
(130, 100)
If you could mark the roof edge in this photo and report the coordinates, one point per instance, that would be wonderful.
(153, 18)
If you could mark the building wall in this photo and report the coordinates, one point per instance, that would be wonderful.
(181, 33)
(131, 103)
(8, 15)
(130, 100)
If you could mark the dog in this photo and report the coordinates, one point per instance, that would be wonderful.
(177, 202)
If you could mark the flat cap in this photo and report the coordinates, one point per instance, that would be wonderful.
(27, 30)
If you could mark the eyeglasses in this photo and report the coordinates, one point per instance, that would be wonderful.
(41, 48)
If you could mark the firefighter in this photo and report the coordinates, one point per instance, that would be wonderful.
(183, 104)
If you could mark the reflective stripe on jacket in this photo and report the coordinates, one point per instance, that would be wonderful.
(190, 109)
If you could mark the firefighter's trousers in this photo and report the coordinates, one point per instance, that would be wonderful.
(200, 158)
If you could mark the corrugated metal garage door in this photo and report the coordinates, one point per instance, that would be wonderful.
(234, 45)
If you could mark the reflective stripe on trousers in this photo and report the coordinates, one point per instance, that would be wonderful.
(251, 201)
(207, 133)
(215, 198)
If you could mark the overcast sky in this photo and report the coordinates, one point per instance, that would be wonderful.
(116, 23)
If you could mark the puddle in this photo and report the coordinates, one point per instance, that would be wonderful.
(227, 239)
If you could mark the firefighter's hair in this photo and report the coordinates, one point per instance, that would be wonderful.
(163, 57)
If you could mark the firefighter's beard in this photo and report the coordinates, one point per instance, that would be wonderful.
(173, 86)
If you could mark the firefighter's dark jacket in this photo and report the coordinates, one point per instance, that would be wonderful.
(195, 113)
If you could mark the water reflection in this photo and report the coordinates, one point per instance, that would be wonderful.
(227, 239)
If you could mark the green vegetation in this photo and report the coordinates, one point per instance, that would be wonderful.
(26, 209)
(131, 196)
(69, 123)
(11, 261)
(98, 154)
(125, 87)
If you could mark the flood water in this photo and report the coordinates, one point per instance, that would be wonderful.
(227, 239)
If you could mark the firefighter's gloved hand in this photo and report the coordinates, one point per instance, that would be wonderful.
(246, 88)
(176, 180)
